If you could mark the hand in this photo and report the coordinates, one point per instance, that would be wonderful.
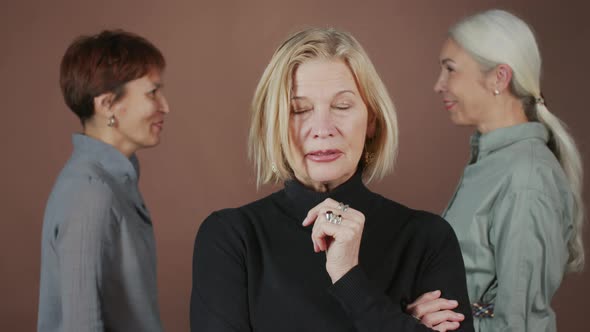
(435, 312)
(341, 242)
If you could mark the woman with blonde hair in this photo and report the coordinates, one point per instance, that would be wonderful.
(324, 253)
(518, 210)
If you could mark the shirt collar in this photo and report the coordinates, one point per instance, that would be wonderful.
(484, 144)
(353, 193)
(112, 160)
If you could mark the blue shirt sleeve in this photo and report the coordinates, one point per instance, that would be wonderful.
(80, 243)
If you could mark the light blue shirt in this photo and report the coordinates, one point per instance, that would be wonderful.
(98, 264)
(512, 213)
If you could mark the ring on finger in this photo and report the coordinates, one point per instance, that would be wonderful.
(329, 216)
(343, 206)
(333, 218)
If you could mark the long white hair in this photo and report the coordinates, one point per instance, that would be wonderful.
(496, 37)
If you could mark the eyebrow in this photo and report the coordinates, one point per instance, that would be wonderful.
(159, 85)
(337, 94)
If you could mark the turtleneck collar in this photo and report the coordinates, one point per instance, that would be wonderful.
(352, 192)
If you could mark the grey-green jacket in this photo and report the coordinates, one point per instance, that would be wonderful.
(512, 213)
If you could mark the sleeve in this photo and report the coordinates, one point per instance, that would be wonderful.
(372, 310)
(445, 270)
(530, 257)
(219, 299)
(80, 246)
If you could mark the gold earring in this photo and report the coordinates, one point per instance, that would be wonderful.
(369, 157)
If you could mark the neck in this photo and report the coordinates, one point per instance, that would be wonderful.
(110, 136)
(323, 186)
(506, 113)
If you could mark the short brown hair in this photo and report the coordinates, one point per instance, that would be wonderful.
(93, 65)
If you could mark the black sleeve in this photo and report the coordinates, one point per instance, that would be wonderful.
(372, 310)
(219, 299)
(445, 270)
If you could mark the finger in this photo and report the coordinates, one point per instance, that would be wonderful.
(320, 219)
(315, 246)
(315, 213)
(446, 326)
(426, 297)
(321, 231)
(432, 306)
(323, 218)
(435, 318)
(319, 240)
(328, 204)
(311, 217)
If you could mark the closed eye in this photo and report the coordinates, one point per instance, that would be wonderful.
(301, 110)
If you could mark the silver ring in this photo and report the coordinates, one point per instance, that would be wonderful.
(343, 206)
(329, 216)
(332, 218)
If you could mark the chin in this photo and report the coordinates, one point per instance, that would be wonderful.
(456, 119)
(151, 143)
(325, 174)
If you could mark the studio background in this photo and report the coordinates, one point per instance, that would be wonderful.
(216, 52)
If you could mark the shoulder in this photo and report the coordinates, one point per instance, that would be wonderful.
(81, 190)
(84, 172)
(422, 223)
(236, 220)
(533, 167)
(230, 230)
(80, 196)
(80, 208)
(431, 226)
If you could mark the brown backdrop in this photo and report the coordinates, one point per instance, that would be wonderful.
(216, 53)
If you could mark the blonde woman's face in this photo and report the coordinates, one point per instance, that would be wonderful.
(328, 124)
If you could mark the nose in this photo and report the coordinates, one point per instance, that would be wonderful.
(163, 105)
(439, 85)
(323, 123)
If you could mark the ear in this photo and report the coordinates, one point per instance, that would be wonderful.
(103, 104)
(371, 124)
(502, 76)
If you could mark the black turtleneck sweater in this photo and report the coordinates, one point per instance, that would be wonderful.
(254, 268)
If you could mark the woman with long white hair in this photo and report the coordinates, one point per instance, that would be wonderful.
(517, 210)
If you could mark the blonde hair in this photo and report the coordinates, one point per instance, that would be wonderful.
(269, 140)
(498, 37)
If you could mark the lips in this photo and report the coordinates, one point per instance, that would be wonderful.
(449, 104)
(159, 124)
(324, 155)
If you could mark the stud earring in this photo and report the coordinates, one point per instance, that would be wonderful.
(496, 92)
(112, 121)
